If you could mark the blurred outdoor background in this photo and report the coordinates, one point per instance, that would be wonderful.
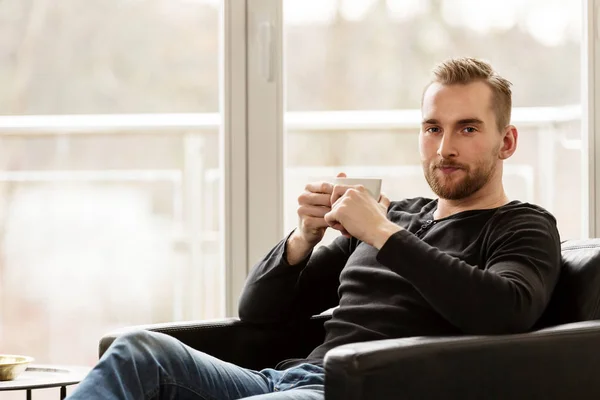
(110, 124)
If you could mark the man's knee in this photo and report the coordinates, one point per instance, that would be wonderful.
(141, 344)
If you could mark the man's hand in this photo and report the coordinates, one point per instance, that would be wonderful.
(356, 213)
(313, 204)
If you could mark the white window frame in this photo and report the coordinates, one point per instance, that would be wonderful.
(590, 96)
(252, 137)
(265, 127)
(233, 150)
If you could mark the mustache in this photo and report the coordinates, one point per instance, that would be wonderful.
(447, 164)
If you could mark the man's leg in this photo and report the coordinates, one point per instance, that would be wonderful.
(150, 365)
(303, 382)
(302, 393)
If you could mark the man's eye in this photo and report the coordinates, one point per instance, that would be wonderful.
(470, 129)
(433, 129)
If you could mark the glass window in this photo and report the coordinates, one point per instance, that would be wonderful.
(109, 171)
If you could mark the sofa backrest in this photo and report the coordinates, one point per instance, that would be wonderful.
(577, 294)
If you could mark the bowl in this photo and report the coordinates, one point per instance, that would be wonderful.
(12, 366)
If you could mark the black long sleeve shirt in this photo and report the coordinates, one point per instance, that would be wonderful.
(475, 272)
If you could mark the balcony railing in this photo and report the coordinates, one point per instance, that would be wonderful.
(194, 184)
(294, 121)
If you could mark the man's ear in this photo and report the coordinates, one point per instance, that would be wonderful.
(510, 137)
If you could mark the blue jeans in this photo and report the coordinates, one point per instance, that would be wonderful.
(149, 365)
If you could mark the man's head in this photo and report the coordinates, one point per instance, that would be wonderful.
(465, 132)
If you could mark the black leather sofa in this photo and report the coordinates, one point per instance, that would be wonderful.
(559, 359)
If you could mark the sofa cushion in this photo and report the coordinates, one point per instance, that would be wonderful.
(577, 294)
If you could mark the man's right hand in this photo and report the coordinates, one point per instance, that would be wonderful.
(313, 204)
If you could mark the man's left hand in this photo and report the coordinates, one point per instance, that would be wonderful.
(356, 213)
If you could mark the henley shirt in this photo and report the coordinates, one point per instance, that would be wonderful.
(486, 271)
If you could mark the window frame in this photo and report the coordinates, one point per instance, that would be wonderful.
(252, 139)
(590, 93)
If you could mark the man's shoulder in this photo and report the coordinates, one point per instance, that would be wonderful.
(518, 208)
(413, 205)
(521, 215)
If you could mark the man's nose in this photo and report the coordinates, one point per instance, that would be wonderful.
(446, 148)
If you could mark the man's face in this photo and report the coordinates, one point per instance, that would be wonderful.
(459, 140)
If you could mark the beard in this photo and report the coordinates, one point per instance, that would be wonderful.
(451, 187)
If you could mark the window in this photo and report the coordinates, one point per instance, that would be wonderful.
(110, 170)
(147, 160)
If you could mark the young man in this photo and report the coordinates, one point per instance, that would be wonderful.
(471, 261)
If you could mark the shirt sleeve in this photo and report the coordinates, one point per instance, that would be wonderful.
(506, 295)
(276, 291)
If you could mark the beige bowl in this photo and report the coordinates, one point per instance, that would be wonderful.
(12, 366)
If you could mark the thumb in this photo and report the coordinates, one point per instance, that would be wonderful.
(384, 201)
(341, 175)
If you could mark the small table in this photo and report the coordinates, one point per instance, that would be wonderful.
(46, 376)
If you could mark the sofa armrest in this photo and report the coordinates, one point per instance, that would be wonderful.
(554, 363)
(248, 345)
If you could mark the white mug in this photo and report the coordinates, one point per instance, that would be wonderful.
(373, 185)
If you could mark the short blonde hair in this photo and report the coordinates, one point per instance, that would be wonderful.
(466, 70)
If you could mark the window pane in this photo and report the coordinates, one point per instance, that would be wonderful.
(355, 72)
(112, 218)
(109, 56)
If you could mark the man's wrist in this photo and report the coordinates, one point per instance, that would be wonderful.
(383, 234)
(297, 248)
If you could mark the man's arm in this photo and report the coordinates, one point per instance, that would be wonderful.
(508, 295)
(279, 291)
(297, 249)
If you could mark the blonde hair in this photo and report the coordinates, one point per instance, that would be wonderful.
(466, 70)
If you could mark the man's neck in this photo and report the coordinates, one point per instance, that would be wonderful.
(477, 201)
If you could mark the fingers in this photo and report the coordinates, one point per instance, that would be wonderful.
(334, 224)
(312, 211)
(338, 191)
(319, 187)
(338, 227)
(314, 199)
(384, 201)
(314, 223)
(316, 194)
(332, 221)
(341, 190)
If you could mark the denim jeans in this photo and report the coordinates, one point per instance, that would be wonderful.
(149, 365)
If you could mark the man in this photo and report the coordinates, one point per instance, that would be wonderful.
(469, 262)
